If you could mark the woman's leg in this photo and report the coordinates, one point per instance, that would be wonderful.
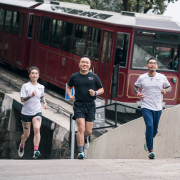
(26, 131)
(36, 121)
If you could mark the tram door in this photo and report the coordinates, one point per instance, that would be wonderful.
(34, 43)
(105, 59)
(21, 39)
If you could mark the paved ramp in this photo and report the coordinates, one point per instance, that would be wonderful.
(164, 169)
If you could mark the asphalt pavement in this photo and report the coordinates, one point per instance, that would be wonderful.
(90, 169)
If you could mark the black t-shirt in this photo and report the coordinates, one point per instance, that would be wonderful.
(82, 85)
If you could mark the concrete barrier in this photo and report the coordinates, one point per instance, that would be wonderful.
(127, 141)
(54, 142)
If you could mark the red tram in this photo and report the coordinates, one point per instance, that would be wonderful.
(16, 20)
(62, 33)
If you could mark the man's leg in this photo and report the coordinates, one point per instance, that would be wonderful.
(87, 133)
(88, 128)
(80, 133)
(148, 119)
(90, 117)
(156, 118)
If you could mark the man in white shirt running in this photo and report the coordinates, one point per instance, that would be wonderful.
(154, 85)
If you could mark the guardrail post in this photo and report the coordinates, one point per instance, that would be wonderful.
(70, 130)
(116, 113)
(72, 138)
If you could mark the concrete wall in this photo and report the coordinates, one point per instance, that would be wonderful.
(54, 144)
(127, 141)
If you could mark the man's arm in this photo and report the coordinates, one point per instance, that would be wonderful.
(100, 91)
(136, 89)
(69, 92)
(96, 93)
(166, 90)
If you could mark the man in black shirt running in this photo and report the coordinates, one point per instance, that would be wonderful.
(87, 87)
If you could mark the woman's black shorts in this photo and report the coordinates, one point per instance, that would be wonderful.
(27, 118)
(84, 110)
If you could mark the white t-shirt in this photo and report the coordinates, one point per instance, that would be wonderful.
(151, 88)
(33, 105)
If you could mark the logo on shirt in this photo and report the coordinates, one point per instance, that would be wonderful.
(158, 80)
(90, 78)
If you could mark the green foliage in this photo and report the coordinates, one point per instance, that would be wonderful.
(142, 6)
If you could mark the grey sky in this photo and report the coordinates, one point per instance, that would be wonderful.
(173, 10)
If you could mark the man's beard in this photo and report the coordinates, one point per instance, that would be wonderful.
(152, 71)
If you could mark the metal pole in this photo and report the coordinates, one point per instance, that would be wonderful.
(70, 130)
(73, 139)
(116, 112)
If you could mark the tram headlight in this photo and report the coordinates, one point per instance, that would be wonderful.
(174, 80)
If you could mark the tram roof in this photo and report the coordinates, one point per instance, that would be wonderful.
(24, 3)
(132, 19)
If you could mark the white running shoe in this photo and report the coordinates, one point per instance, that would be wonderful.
(86, 143)
(36, 154)
(80, 155)
(20, 151)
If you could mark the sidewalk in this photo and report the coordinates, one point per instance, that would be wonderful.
(106, 169)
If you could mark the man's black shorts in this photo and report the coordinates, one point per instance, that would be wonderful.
(84, 110)
(27, 118)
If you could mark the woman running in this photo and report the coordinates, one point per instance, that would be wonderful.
(31, 95)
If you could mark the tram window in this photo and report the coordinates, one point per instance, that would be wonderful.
(23, 24)
(67, 34)
(2, 13)
(157, 36)
(93, 43)
(109, 47)
(122, 44)
(44, 36)
(15, 23)
(30, 25)
(166, 54)
(36, 28)
(79, 39)
(103, 54)
(55, 33)
(7, 25)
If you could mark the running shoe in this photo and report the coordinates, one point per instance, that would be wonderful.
(20, 151)
(36, 154)
(81, 155)
(86, 143)
(151, 155)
